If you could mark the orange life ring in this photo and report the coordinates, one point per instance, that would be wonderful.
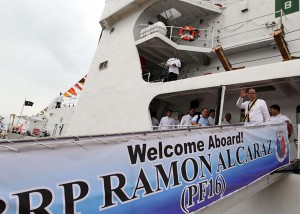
(188, 33)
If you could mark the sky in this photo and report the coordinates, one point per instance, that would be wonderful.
(46, 46)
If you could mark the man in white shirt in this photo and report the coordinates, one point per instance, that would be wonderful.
(178, 120)
(211, 118)
(59, 100)
(280, 118)
(227, 120)
(276, 116)
(167, 122)
(174, 65)
(256, 110)
(187, 119)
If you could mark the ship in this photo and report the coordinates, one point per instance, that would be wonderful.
(105, 156)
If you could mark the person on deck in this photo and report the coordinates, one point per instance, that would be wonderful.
(178, 120)
(277, 117)
(227, 120)
(59, 100)
(202, 119)
(174, 65)
(256, 110)
(187, 119)
(167, 122)
(211, 118)
(154, 120)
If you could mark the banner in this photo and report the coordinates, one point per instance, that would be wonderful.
(169, 172)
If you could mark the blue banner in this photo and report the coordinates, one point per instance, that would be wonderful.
(172, 172)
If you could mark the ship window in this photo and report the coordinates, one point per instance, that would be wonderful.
(171, 14)
(103, 65)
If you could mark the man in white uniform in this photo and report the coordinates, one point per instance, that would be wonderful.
(256, 110)
(277, 117)
(187, 119)
(59, 101)
(167, 122)
(174, 65)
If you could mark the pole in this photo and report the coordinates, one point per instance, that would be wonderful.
(298, 145)
(220, 105)
(212, 39)
(21, 112)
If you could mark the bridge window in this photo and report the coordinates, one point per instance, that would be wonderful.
(170, 14)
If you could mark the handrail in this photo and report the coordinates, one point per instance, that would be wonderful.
(214, 32)
(178, 126)
(258, 17)
(205, 3)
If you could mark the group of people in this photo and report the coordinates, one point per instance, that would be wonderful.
(256, 112)
(204, 118)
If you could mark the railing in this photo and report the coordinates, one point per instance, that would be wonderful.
(173, 34)
(68, 102)
(240, 30)
(205, 4)
(178, 126)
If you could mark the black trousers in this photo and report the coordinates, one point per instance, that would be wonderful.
(57, 105)
(172, 76)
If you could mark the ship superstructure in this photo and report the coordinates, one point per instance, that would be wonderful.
(127, 76)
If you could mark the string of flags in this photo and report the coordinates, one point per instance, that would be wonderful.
(73, 91)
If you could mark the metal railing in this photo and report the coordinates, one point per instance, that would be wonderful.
(205, 4)
(215, 35)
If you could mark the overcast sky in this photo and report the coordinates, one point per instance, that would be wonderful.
(46, 46)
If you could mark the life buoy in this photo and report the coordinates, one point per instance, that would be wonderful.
(188, 33)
